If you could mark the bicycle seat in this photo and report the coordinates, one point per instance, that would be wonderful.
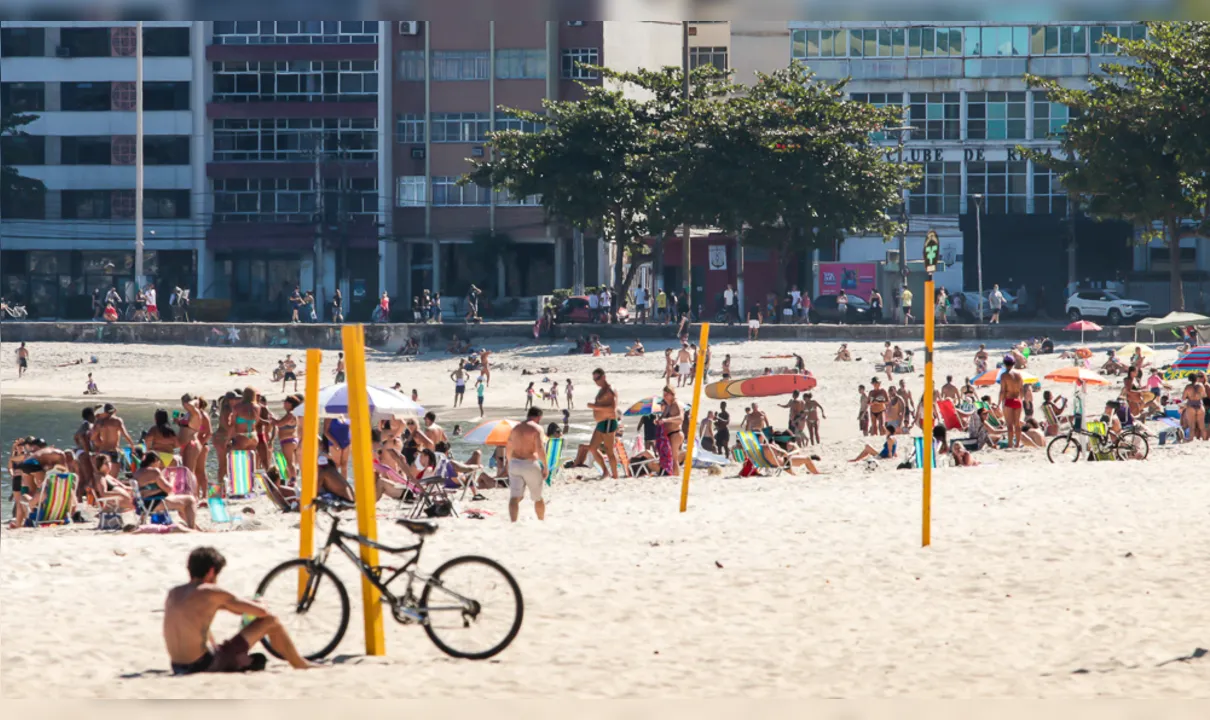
(418, 527)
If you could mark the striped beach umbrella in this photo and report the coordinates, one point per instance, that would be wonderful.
(649, 406)
(492, 432)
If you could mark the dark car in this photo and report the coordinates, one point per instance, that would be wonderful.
(575, 310)
(824, 309)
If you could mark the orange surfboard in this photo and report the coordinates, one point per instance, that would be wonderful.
(763, 386)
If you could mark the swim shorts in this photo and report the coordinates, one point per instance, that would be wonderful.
(524, 474)
(607, 426)
(1014, 403)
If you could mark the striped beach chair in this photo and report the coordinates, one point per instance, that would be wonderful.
(239, 474)
(754, 453)
(283, 467)
(554, 458)
(55, 501)
(918, 454)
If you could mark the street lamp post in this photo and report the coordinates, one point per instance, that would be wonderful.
(979, 248)
(904, 131)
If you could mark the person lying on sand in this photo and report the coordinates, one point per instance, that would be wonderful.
(79, 361)
(245, 371)
(962, 457)
(189, 611)
(411, 347)
(636, 350)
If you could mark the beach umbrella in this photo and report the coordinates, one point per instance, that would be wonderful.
(992, 377)
(1196, 360)
(1077, 374)
(384, 402)
(1083, 326)
(649, 406)
(1127, 350)
(492, 432)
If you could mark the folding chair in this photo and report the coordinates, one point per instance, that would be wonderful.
(918, 454)
(623, 457)
(409, 488)
(554, 458)
(239, 474)
(283, 467)
(55, 500)
(182, 480)
(754, 452)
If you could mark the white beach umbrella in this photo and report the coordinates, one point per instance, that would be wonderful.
(384, 402)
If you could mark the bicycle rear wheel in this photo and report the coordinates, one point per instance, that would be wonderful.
(472, 608)
(1064, 448)
(1131, 446)
(317, 621)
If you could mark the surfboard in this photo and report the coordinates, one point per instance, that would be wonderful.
(763, 386)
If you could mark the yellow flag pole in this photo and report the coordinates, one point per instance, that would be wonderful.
(927, 460)
(353, 337)
(309, 463)
(691, 435)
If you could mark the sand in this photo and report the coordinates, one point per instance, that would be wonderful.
(1066, 581)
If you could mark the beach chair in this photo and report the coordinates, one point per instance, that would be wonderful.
(737, 454)
(754, 453)
(1098, 434)
(554, 458)
(623, 457)
(918, 454)
(949, 415)
(182, 480)
(1052, 419)
(218, 510)
(412, 493)
(55, 501)
(239, 474)
(283, 467)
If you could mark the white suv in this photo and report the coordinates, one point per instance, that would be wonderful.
(1104, 304)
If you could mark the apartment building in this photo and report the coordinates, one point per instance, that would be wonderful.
(78, 80)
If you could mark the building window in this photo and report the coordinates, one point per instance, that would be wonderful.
(23, 204)
(460, 65)
(294, 139)
(295, 32)
(411, 65)
(264, 200)
(880, 100)
(359, 197)
(85, 42)
(1002, 185)
(86, 204)
(1049, 195)
(166, 149)
(22, 97)
(1097, 45)
(574, 61)
(521, 64)
(809, 44)
(935, 116)
(166, 204)
(410, 191)
(165, 96)
(503, 198)
(1049, 118)
(885, 42)
(23, 149)
(939, 191)
(1058, 40)
(166, 42)
(997, 41)
(935, 42)
(409, 128)
(447, 192)
(22, 42)
(85, 97)
(505, 121)
(460, 127)
(716, 56)
(84, 150)
(296, 81)
(995, 116)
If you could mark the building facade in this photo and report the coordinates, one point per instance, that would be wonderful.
(78, 80)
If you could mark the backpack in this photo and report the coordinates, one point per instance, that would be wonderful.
(441, 508)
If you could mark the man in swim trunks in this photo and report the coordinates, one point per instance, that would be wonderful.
(435, 432)
(288, 375)
(888, 360)
(684, 365)
(878, 398)
(340, 368)
(527, 469)
(190, 609)
(459, 377)
(757, 421)
(949, 391)
(107, 433)
(22, 360)
(1012, 387)
(605, 413)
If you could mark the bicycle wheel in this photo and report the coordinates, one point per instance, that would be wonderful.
(318, 621)
(1131, 446)
(472, 608)
(1064, 448)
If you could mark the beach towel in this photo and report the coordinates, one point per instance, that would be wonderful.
(283, 467)
(663, 450)
(239, 474)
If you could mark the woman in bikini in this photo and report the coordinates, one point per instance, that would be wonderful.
(203, 438)
(266, 431)
(221, 439)
(109, 487)
(191, 427)
(241, 423)
(161, 439)
(287, 434)
(673, 418)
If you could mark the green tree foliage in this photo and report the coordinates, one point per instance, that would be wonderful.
(1135, 147)
(14, 187)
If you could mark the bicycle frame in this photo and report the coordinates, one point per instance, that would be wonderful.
(336, 538)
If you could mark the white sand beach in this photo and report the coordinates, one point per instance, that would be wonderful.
(1073, 581)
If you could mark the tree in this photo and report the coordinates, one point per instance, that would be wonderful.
(14, 187)
(1125, 149)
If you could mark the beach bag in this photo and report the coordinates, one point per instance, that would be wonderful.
(748, 470)
(109, 520)
(440, 508)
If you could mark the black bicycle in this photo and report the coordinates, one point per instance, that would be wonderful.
(465, 599)
(1130, 444)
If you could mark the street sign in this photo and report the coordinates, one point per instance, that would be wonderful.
(932, 251)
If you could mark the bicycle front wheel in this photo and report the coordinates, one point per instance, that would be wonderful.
(1131, 446)
(1064, 449)
(472, 608)
(315, 618)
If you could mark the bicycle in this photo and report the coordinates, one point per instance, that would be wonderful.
(463, 612)
(1131, 444)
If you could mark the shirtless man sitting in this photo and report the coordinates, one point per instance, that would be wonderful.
(1012, 386)
(190, 609)
(527, 469)
(843, 355)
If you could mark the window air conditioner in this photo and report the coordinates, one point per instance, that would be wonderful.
(417, 153)
(575, 23)
(409, 27)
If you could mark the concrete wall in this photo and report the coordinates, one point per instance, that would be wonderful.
(390, 337)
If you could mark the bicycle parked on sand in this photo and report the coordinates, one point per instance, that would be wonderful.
(466, 598)
(1130, 444)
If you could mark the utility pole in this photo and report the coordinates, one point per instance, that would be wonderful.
(903, 131)
(138, 156)
(685, 231)
(979, 247)
(318, 250)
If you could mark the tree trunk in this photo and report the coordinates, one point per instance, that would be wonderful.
(657, 268)
(635, 262)
(1174, 270)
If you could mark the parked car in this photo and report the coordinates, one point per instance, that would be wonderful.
(824, 309)
(1104, 304)
(575, 310)
(970, 305)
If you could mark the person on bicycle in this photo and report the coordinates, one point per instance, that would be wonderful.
(189, 611)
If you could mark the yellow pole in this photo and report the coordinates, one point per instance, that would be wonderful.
(927, 460)
(310, 464)
(363, 471)
(691, 435)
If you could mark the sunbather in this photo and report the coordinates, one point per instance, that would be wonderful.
(962, 457)
(155, 490)
(790, 457)
(636, 350)
(890, 447)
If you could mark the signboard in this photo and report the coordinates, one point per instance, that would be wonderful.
(932, 251)
(854, 278)
(718, 257)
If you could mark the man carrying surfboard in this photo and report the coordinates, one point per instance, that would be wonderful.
(605, 413)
